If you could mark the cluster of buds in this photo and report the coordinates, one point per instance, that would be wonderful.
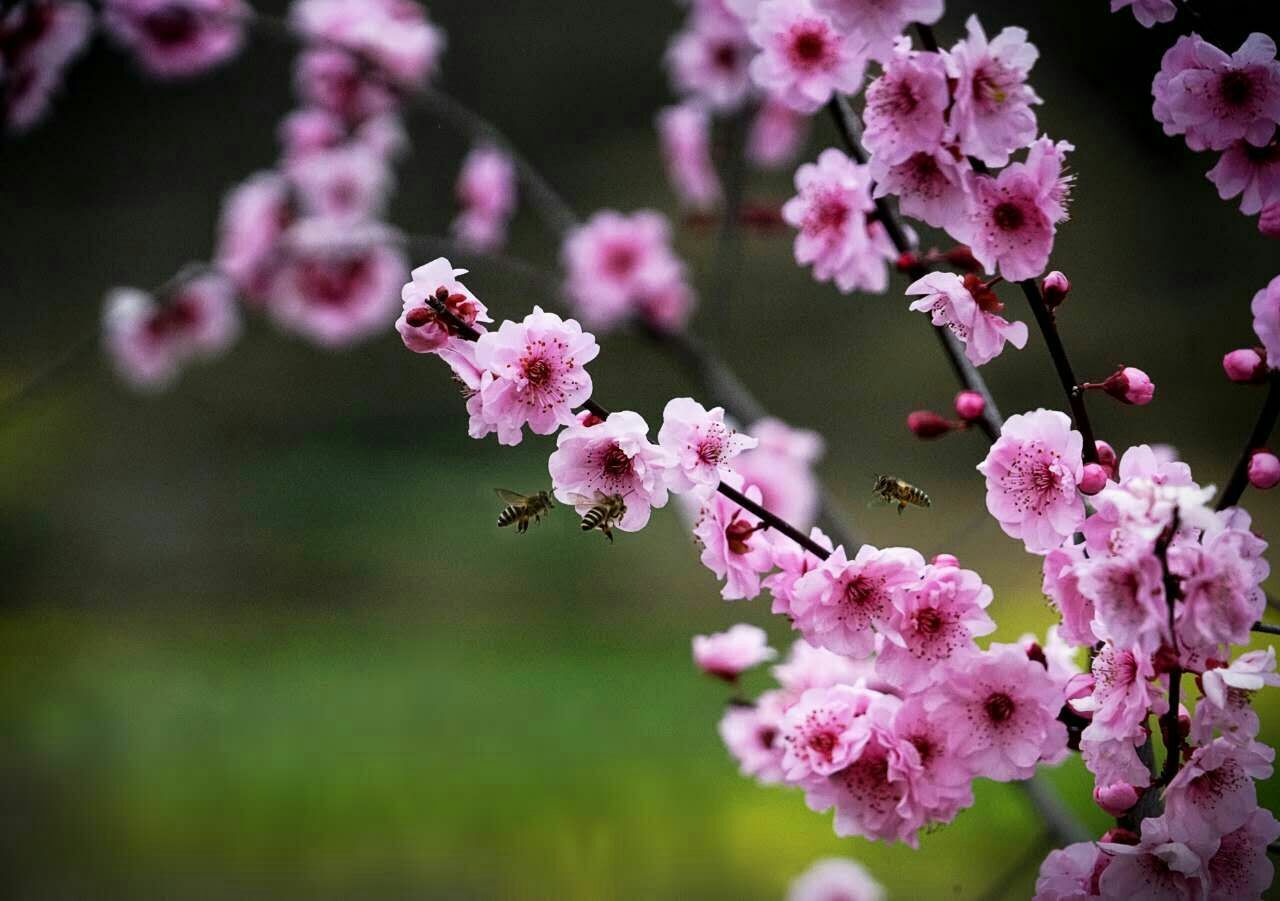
(926, 424)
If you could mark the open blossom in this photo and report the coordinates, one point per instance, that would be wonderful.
(777, 134)
(420, 328)
(338, 82)
(1221, 578)
(835, 879)
(309, 130)
(781, 466)
(733, 544)
(751, 734)
(1240, 868)
(1067, 874)
(1031, 474)
(971, 311)
(1219, 99)
(1214, 792)
(177, 37)
(804, 58)
(37, 41)
(1001, 710)
(150, 342)
(534, 373)
(1148, 12)
(930, 184)
(486, 191)
(1127, 592)
(1225, 701)
(1123, 693)
(701, 442)
(393, 34)
(1115, 760)
(1266, 320)
(933, 620)
(830, 212)
(255, 215)
(349, 183)
(1062, 587)
(1252, 173)
(708, 60)
(809, 667)
(728, 655)
(684, 133)
(941, 784)
(992, 115)
(881, 22)
(613, 458)
(818, 734)
(906, 110)
(843, 603)
(1164, 866)
(1013, 216)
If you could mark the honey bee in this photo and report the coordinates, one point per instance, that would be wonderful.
(522, 509)
(605, 515)
(893, 490)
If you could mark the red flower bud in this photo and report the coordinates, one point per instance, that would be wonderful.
(970, 405)
(1247, 366)
(1129, 385)
(1107, 457)
(1264, 470)
(1055, 288)
(927, 424)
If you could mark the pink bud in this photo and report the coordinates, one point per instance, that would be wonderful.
(1269, 221)
(970, 405)
(1056, 288)
(1264, 470)
(1130, 386)
(1245, 366)
(946, 560)
(927, 424)
(1115, 799)
(1119, 836)
(1107, 457)
(1093, 480)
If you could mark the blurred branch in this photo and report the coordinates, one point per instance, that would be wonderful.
(47, 373)
(1257, 438)
(1000, 888)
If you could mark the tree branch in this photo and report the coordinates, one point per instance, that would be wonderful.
(1257, 439)
(1052, 340)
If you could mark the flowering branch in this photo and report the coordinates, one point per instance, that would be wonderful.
(1257, 438)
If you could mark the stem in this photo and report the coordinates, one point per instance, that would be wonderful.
(1052, 340)
(1169, 722)
(733, 176)
(1257, 438)
(990, 422)
(1265, 628)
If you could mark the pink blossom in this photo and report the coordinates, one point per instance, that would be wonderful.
(971, 311)
(612, 459)
(534, 374)
(804, 58)
(777, 134)
(1113, 760)
(1223, 99)
(1001, 710)
(1214, 792)
(393, 34)
(708, 61)
(1056, 655)
(684, 133)
(1031, 474)
(310, 130)
(830, 212)
(486, 190)
(1127, 591)
(1266, 320)
(1269, 221)
(1143, 462)
(1067, 874)
(781, 466)
(1123, 693)
(941, 785)
(1240, 868)
(255, 215)
(701, 443)
(177, 37)
(992, 115)
(1180, 58)
(1013, 216)
(931, 185)
(349, 183)
(751, 735)
(933, 620)
(150, 342)
(1148, 12)
(37, 41)
(867, 268)
(1164, 866)
(420, 328)
(614, 262)
(1225, 703)
(818, 735)
(336, 81)
(1253, 173)
(1221, 579)
(881, 22)
(728, 655)
(906, 110)
(835, 879)
(732, 544)
(808, 667)
(841, 604)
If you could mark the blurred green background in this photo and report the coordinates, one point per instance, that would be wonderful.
(259, 636)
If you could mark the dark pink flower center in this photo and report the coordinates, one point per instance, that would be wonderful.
(1008, 216)
(176, 317)
(171, 25)
(924, 747)
(419, 316)
(765, 736)
(999, 707)
(725, 56)
(737, 533)
(857, 591)
(1235, 88)
(620, 260)
(928, 621)
(616, 462)
(809, 46)
(538, 372)
(829, 213)
(710, 451)
(823, 742)
(329, 283)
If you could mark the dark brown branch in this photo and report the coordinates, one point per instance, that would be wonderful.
(1257, 439)
(1053, 341)
(1169, 722)
(1265, 629)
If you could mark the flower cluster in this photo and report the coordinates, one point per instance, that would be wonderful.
(38, 40)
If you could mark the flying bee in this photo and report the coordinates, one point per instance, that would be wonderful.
(522, 509)
(605, 515)
(893, 490)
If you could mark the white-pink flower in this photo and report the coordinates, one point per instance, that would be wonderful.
(177, 37)
(751, 735)
(1252, 173)
(613, 458)
(1062, 586)
(337, 81)
(701, 443)
(1214, 792)
(1031, 474)
(684, 133)
(906, 111)
(1221, 581)
(349, 183)
(1221, 99)
(1225, 704)
(727, 655)
(1127, 592)
(941, 784)
(808, 667)
(835, 879)
(1123, 693)
(1165, 866)
(931, 185)
(818, 734)
(830, 213)
(971, 311)
(486, 191)
(733, 545)
(992, 115)
(804, 59)
(781, 466)
(1067, 874)
(1266, 320)
(1115, 760)
(393, 34)
(255, 215)
(1240, 868)
(1148, 12)
(777, 134)
(708, 60)
(419, 326)
(881, 22)
(40, 39)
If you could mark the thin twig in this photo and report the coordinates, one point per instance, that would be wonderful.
(1053, 341)
(1265, 628)
(1257, 439)
(1169, 722)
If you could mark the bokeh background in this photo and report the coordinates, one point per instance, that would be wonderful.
(259, 636)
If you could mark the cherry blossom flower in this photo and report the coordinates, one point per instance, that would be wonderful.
(419, 326)
(818, 735)
(701, 443)
(708, 60)
(684, 133)
(933, 620)
(486, 190)
(1240, 868)
(830, 212)
(941, 784)
(727, 655)
(781, 466)
(808, 667)
(1148, 12)
(535, 374)
(177, 37)
(906, 111)
(349, 183)
(971, 311)
(992, 115)
(1214, 792)
(835, 879)
(1127, 591)
(150, 342)
(1164, 866)
(777, 134)
(867, 268)
(881, 22)
(1222, 99)
(751, 735)
(931, 185)
(1252, 173)
(310, 130)
(255, 215)
(732, 544)
(1221, 581)
(1123, 693)
(393, 34)
(841, 604)
(1031, 474)
(612, 459)
(1266, 320)
(1062, 587)
(1115, 760)
(37, 41)
(1181, 57)
(804, 58)
(1067, 874)
(614, 262)
(1225, 701)
(335, 80)
(1001, 710)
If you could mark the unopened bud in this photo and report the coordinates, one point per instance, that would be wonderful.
(1129, 385)
(908, 262)
(1056, 287)
(1093, 480)
(961, 257)
(1264, 470)
(1107, 458)
(946, 560)
(927, 424)
(1117, 799)
(586, 418)
(1120, 836)
(1269, 221)
(1246, 366)
(970, 405)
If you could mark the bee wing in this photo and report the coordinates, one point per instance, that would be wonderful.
(879, 500)
(509, 497)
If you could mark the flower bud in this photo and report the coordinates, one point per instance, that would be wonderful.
(1245, 366)
(1107, 458)
(908, 262)
(1269, 221)
(946, 560)
(1093, 480)
(1119, 836)
(1080, 687)
(970, 405)
(1130, 386)
(1264, 470)
(1116, 799)
(587, 419)
(961, 257)
(927, 424)
(1055, 288)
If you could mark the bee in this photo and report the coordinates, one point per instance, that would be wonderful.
(522, 509)
(893, 490)
(605, 515)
